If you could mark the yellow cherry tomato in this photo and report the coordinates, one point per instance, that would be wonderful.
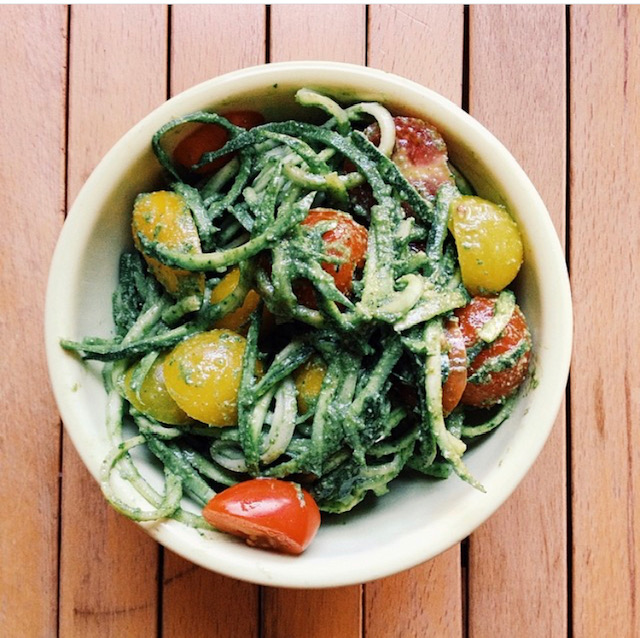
(238, 318)
(308, 381)
(165, 218)
(153, 398)
(203, 375)
(488, 241)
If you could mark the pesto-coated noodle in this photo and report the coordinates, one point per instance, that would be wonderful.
(374, 349)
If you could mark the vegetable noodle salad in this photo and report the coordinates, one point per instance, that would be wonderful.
(307, 308)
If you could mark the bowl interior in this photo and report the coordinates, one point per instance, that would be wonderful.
(418, 518)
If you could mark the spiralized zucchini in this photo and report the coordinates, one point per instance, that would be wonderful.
(361, 431)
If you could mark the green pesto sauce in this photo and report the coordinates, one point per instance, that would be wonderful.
(502, 362)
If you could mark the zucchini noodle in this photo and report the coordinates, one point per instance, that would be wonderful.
(374, 343)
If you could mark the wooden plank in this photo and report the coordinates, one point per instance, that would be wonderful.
(397, 31)
(312, 613)
(197, 602)
(518, 90)
(208, 40)
(108, 566)
(605, 382)
(318, 32)
(423, 601)
(205, 42)
(336, 33)
(32, 106)
(426, 600)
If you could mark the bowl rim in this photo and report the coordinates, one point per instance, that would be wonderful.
(260, 567)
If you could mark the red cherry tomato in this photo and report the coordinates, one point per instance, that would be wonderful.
(267, 513)
(453, 387)
(502, 383)
(419, 152)
(211, 137)
(347, 240)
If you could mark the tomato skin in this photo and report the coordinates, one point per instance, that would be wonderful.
(420, 153)
(237, 319)
(347, 240)
(203, 373)
(267, 513)
(503, 383)
(153, 398)
(456, 382)
(489, 244)
(245, 119)
(211, 137)
(165, 218)
(308, 379)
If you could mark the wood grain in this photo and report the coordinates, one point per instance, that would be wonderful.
(205, 42)
(197, 602)
(605, 388)
(33, 39)
(318, 32)
(108, 565)
(312, 613)
(397, 32)
(424, 601)
(518, 90)
(408, 604)
(208, 40)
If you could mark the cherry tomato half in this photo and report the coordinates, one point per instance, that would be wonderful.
(203, 373)
(211, 137)
(501, 383)
(420, 153)
(308, 379)
(165, 218)
(153, 398)
(237, 319)
(456, 382)
(347, 240)
(266, 513)
(489, 244)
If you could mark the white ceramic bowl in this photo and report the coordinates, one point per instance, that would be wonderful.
(418, 519)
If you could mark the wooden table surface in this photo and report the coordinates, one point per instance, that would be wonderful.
(560, 86)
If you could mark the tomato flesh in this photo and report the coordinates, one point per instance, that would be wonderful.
(502, 383)
(347, 240)
(212, 137)
(267, 513)
(456, 382)
(420, 153)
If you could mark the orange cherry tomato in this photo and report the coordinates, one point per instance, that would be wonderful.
(212, 137)
(456, 382)
(308, 379)
(267, 513)
(499, 384)
(237, 319)
(347, 240)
